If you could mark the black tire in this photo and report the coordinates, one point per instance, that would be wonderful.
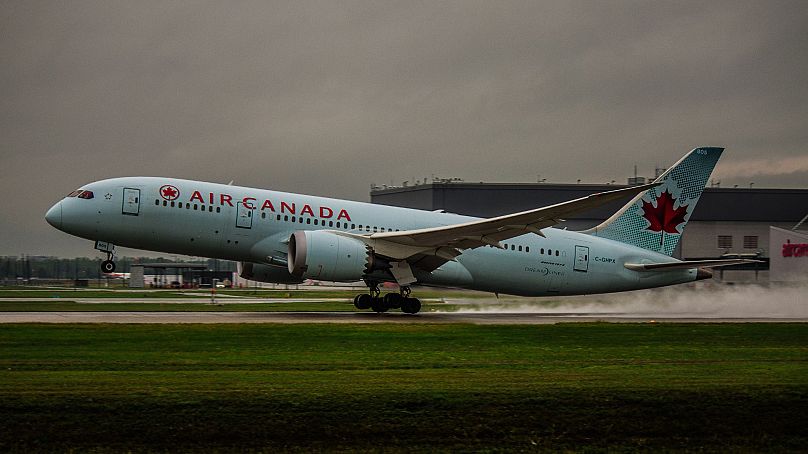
(107, 266)
(377, 305)
(393, 300)
(362, 301)
(411, 305)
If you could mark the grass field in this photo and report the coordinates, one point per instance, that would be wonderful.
(72, 306)
(404, 387)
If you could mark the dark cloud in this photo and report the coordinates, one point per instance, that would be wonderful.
(327, 97)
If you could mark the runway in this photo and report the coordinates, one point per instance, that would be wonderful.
(532, 318)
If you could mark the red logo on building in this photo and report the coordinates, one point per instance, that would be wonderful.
(795, 249)
(169, 192)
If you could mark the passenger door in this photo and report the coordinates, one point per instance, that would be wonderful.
(244, 216)
(581, 259)
(131, 201)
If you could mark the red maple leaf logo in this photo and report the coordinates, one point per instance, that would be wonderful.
(663, 217)
(169, 192)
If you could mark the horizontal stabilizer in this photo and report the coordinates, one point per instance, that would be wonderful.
(686, 264)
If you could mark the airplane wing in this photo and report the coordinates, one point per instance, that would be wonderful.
(430, 247)
(686, 264)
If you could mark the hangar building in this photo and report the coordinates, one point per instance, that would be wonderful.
(726, 221)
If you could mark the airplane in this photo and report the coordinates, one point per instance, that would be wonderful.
(283, 237)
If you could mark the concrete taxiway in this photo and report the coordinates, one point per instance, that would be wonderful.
(532, 318)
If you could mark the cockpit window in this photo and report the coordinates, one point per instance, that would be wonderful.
(74, 193)
(85, 195)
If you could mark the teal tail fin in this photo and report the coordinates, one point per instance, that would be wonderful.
(656, 218)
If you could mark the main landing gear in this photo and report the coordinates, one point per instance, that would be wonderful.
(378, 303)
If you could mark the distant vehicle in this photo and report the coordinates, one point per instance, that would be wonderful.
(288, 238)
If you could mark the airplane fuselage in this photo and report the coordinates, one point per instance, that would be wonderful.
(254, 225)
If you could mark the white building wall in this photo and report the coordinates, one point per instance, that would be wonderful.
(701, 238)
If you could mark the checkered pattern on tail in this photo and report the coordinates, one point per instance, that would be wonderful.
(654, 220)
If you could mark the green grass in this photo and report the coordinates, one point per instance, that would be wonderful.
(72, 306)
(403, 387)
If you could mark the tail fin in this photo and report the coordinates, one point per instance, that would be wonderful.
(656, 218)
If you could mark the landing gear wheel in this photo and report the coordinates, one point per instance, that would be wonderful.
(411, 305)
(378, 305)
(362, 301)
(108, 266)
(393, 300)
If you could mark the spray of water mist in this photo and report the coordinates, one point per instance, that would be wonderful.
(699, 300)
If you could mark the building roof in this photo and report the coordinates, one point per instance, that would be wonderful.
(493, 199)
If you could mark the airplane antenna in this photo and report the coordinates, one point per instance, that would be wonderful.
(231, 183)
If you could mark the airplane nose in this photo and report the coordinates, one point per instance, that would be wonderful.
(54, 215)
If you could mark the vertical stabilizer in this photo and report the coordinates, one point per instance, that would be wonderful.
(656, 218)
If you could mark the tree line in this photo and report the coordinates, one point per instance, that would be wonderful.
(29, 267)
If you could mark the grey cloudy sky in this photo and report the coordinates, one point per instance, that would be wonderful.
(328, 97)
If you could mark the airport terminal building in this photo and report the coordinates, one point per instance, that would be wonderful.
(726, 222)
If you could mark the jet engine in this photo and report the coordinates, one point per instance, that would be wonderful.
(328, 257)
(266, 273)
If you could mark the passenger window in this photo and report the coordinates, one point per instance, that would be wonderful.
(331, 223)
(513, 247)
(556, 252)
(382, 229)
(210, 209)
(294, 218)
(300, 219)
(279, 217)
(316, 221)
(263, 215)
(218, 209)
(156, 202)
(527, 248)
(308, 220)
(187, 206)
(180, 204)
(542, 251)
(520, 248)
(286, 218)
(375, 229)
(196, 207)
(172, 204)
(353, 226)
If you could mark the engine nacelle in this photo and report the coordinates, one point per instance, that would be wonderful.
(328, 257)
(266, 273)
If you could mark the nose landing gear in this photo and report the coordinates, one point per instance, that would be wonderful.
(374, 301)
(108, 265)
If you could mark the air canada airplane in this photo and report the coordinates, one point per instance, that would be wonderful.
(286, 238)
